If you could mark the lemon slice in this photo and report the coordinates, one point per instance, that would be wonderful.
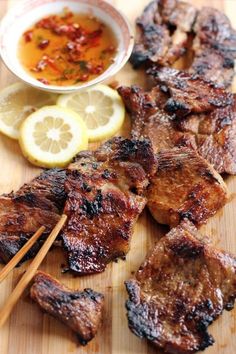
(17, 101)
(100, 107)
(51, 136)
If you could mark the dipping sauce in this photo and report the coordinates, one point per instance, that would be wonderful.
(67, 49)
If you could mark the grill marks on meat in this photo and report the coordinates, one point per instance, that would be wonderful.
(215, 134)
(163, 28)
(105, 197)
(37, 203)
(186, 93)
(168, 29)
(214, 47)
(183, 110)
(185, 186)
(181, 288)
(152, 122)
(79, 310)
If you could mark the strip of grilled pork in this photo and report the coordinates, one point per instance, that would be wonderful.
(185, 186)
(214, 47)
(105, 191)
(163, 32)
(79, 310)
(181, 288)
(187, 93)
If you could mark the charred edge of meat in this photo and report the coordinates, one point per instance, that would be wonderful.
(60, 302)
(11, 244)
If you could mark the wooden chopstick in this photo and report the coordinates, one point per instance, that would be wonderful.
(29, 274)
(19, 255)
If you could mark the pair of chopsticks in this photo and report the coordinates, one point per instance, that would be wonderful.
(29, 274)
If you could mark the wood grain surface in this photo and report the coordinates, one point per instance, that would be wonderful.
(29, 331)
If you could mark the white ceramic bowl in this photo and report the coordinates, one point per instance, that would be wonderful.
(28, 12)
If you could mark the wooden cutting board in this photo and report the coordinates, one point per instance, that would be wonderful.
(29, 331)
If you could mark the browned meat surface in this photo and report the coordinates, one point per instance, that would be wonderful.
(37, 203)
(185, 186)
(181, 288)
(163, 31)
(105, 197)
(79, 310)
(215, 136)
(186, 93)
(214, 47)
(212, 133)
(150, 121)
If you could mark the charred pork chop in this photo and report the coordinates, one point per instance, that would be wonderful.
(181, 288)
(79, 310)
(163, 31)
(214, 47)
(105, 197)
(184, 186)
(37, 203)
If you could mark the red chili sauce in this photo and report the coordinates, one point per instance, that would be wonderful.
(67, 49)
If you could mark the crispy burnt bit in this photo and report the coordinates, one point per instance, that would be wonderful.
(215, 136)
(201, 195)
(150, 121)
(105, 197)
(187, 93)
(39, 202)
(214, 47)
(181, 288)
(163, 30)
(79, 310)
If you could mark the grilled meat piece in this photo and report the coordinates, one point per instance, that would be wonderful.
(182, 287)
(185, 186)
(163, 31)
(150, 121)
(215, 136)
(186, 93)
(212, 134)
(105, 197)
(79, 310)
(214, 47)
(37, 203)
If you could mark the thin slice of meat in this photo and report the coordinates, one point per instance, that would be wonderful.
(105, 197)
(212, 134)
(39, 202)
(163, 30)
(214, 47)
(181, 288)
(185, 186)
(186, 93)
(80, 310)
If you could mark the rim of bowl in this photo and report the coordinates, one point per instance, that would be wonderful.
(72, 88)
